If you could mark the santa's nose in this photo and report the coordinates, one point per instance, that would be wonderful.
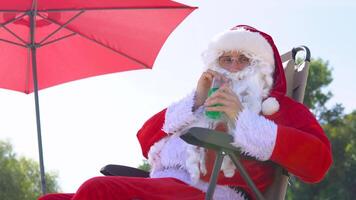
(235, 67)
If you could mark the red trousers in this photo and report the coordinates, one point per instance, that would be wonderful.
(131, 188)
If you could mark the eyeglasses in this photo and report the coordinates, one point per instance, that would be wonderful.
(229, 60)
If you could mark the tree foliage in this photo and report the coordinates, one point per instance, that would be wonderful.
(319, 78)
(145, 166)
(340, 182)
(20, 177)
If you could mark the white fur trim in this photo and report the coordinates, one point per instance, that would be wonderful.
(179, 115)
(179, 174)
(255, 135)
(154, 154)
(270, 106)
(195, 162)
(239, 39)
(173, 152)
(220, 193)
(228, 167)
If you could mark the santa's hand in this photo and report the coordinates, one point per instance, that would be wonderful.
(204, 85)
(224, 100)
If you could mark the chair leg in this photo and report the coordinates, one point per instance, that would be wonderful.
(245, 176)
(214, 176)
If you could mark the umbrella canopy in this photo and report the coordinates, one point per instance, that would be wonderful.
(45, 43)
(82, 38)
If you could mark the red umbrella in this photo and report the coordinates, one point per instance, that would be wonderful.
(45, 43)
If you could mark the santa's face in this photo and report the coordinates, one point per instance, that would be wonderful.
(233, 61)
(246, 78)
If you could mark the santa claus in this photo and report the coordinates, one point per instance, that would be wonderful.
(264, 122)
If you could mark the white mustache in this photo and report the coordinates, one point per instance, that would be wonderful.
(240, 75)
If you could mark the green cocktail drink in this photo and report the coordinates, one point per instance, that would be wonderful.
(213, 114)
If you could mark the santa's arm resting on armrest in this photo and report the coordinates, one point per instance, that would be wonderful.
(290, 137)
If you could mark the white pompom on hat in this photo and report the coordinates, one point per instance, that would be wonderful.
(270, 106)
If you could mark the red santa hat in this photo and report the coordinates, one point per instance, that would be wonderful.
(240, 39)
(256, 44)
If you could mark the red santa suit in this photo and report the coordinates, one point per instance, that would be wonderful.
(280, 131)
(285, 132)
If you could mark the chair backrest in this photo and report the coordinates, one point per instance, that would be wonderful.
(296, 76)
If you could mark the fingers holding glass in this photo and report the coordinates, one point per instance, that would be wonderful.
(224, 100)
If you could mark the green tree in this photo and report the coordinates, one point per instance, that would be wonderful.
(20, 177)
(144, 166)
(340, 182)
(319, 78)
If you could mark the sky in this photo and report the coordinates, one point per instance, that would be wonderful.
(93, 122)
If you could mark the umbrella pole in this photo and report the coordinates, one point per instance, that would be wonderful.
(33, 48)
(38, 121)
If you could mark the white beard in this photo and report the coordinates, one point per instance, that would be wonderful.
(248, 85)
